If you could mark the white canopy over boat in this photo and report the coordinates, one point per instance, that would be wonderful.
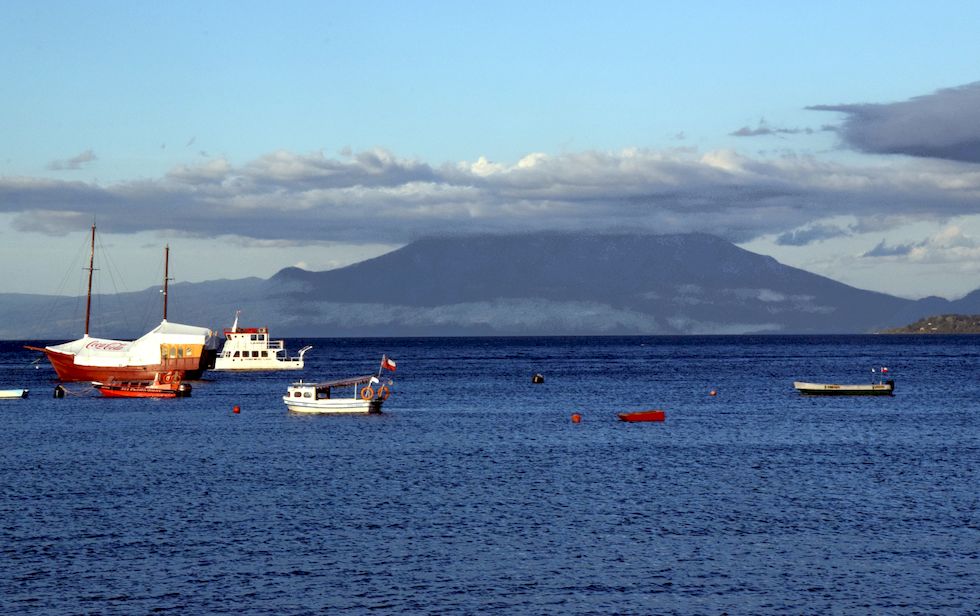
(145, 350)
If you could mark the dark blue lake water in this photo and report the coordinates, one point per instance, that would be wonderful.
(474, 492)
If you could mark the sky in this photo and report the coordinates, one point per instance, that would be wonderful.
(841, 138)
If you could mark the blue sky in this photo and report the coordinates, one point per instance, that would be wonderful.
(841, 139)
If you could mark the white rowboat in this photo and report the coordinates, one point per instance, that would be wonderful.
(887, 388)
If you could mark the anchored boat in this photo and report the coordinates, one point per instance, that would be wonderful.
(13, 393)
(643, 416)
(167, 347)
(881, 388)
(365, 395)
(886, 388)
(249, 348)
(163, 385)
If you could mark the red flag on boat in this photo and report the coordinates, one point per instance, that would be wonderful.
(387, 363)
(883, 369)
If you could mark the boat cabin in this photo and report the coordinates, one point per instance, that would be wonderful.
(249, 348)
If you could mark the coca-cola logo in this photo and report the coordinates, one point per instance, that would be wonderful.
(105, 346)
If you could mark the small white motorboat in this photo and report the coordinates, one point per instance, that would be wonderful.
(886, 388)
(881, 388)
(13, 393)
(367, 394)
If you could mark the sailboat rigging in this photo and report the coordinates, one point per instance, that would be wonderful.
(169, 347)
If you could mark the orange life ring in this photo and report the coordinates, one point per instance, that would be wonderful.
(165, 377)
(367, 393)
(384, 392)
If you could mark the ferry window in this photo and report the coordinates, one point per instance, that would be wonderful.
(296, 394)
(173, 352)
(261, 337)
(187, 351)
(255, 353)
(236, 354)
(163, 352)
(180, 352)
(254, 337)
(265, 354)
(306, 394)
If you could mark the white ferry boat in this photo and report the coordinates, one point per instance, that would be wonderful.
(249, 348)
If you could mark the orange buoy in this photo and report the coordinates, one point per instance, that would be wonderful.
(712, 393)
(576, 418)
(236, 410)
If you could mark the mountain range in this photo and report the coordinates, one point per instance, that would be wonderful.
(531, 284)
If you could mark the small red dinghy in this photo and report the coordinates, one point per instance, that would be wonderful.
(165, 385)
(643, 416)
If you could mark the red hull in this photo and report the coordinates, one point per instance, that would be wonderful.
(143, 390)
(135, 393)
(68, 371)
(643, 416)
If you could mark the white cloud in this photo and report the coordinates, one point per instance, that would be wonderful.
(948, 245)
(377, 196)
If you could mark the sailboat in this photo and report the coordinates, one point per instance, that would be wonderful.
(169, 347)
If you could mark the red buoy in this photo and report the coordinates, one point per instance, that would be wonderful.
(236, 410)
(576, 418)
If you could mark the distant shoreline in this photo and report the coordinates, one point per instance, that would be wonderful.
(941, 324)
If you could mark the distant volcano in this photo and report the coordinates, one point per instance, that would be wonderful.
(539, 284)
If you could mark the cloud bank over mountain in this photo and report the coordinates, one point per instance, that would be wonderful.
(376, 196)
(777, 198)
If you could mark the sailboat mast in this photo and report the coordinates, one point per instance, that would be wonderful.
(88, 294)
(166, 277)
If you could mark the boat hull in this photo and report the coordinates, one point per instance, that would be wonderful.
(225, 364)
(830, 389)
(109, 390)
(643, 416)
(338, 406)
(68, 371)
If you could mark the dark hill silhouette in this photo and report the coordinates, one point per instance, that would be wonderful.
(694, 277)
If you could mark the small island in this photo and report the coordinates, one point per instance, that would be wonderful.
(941, 324)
